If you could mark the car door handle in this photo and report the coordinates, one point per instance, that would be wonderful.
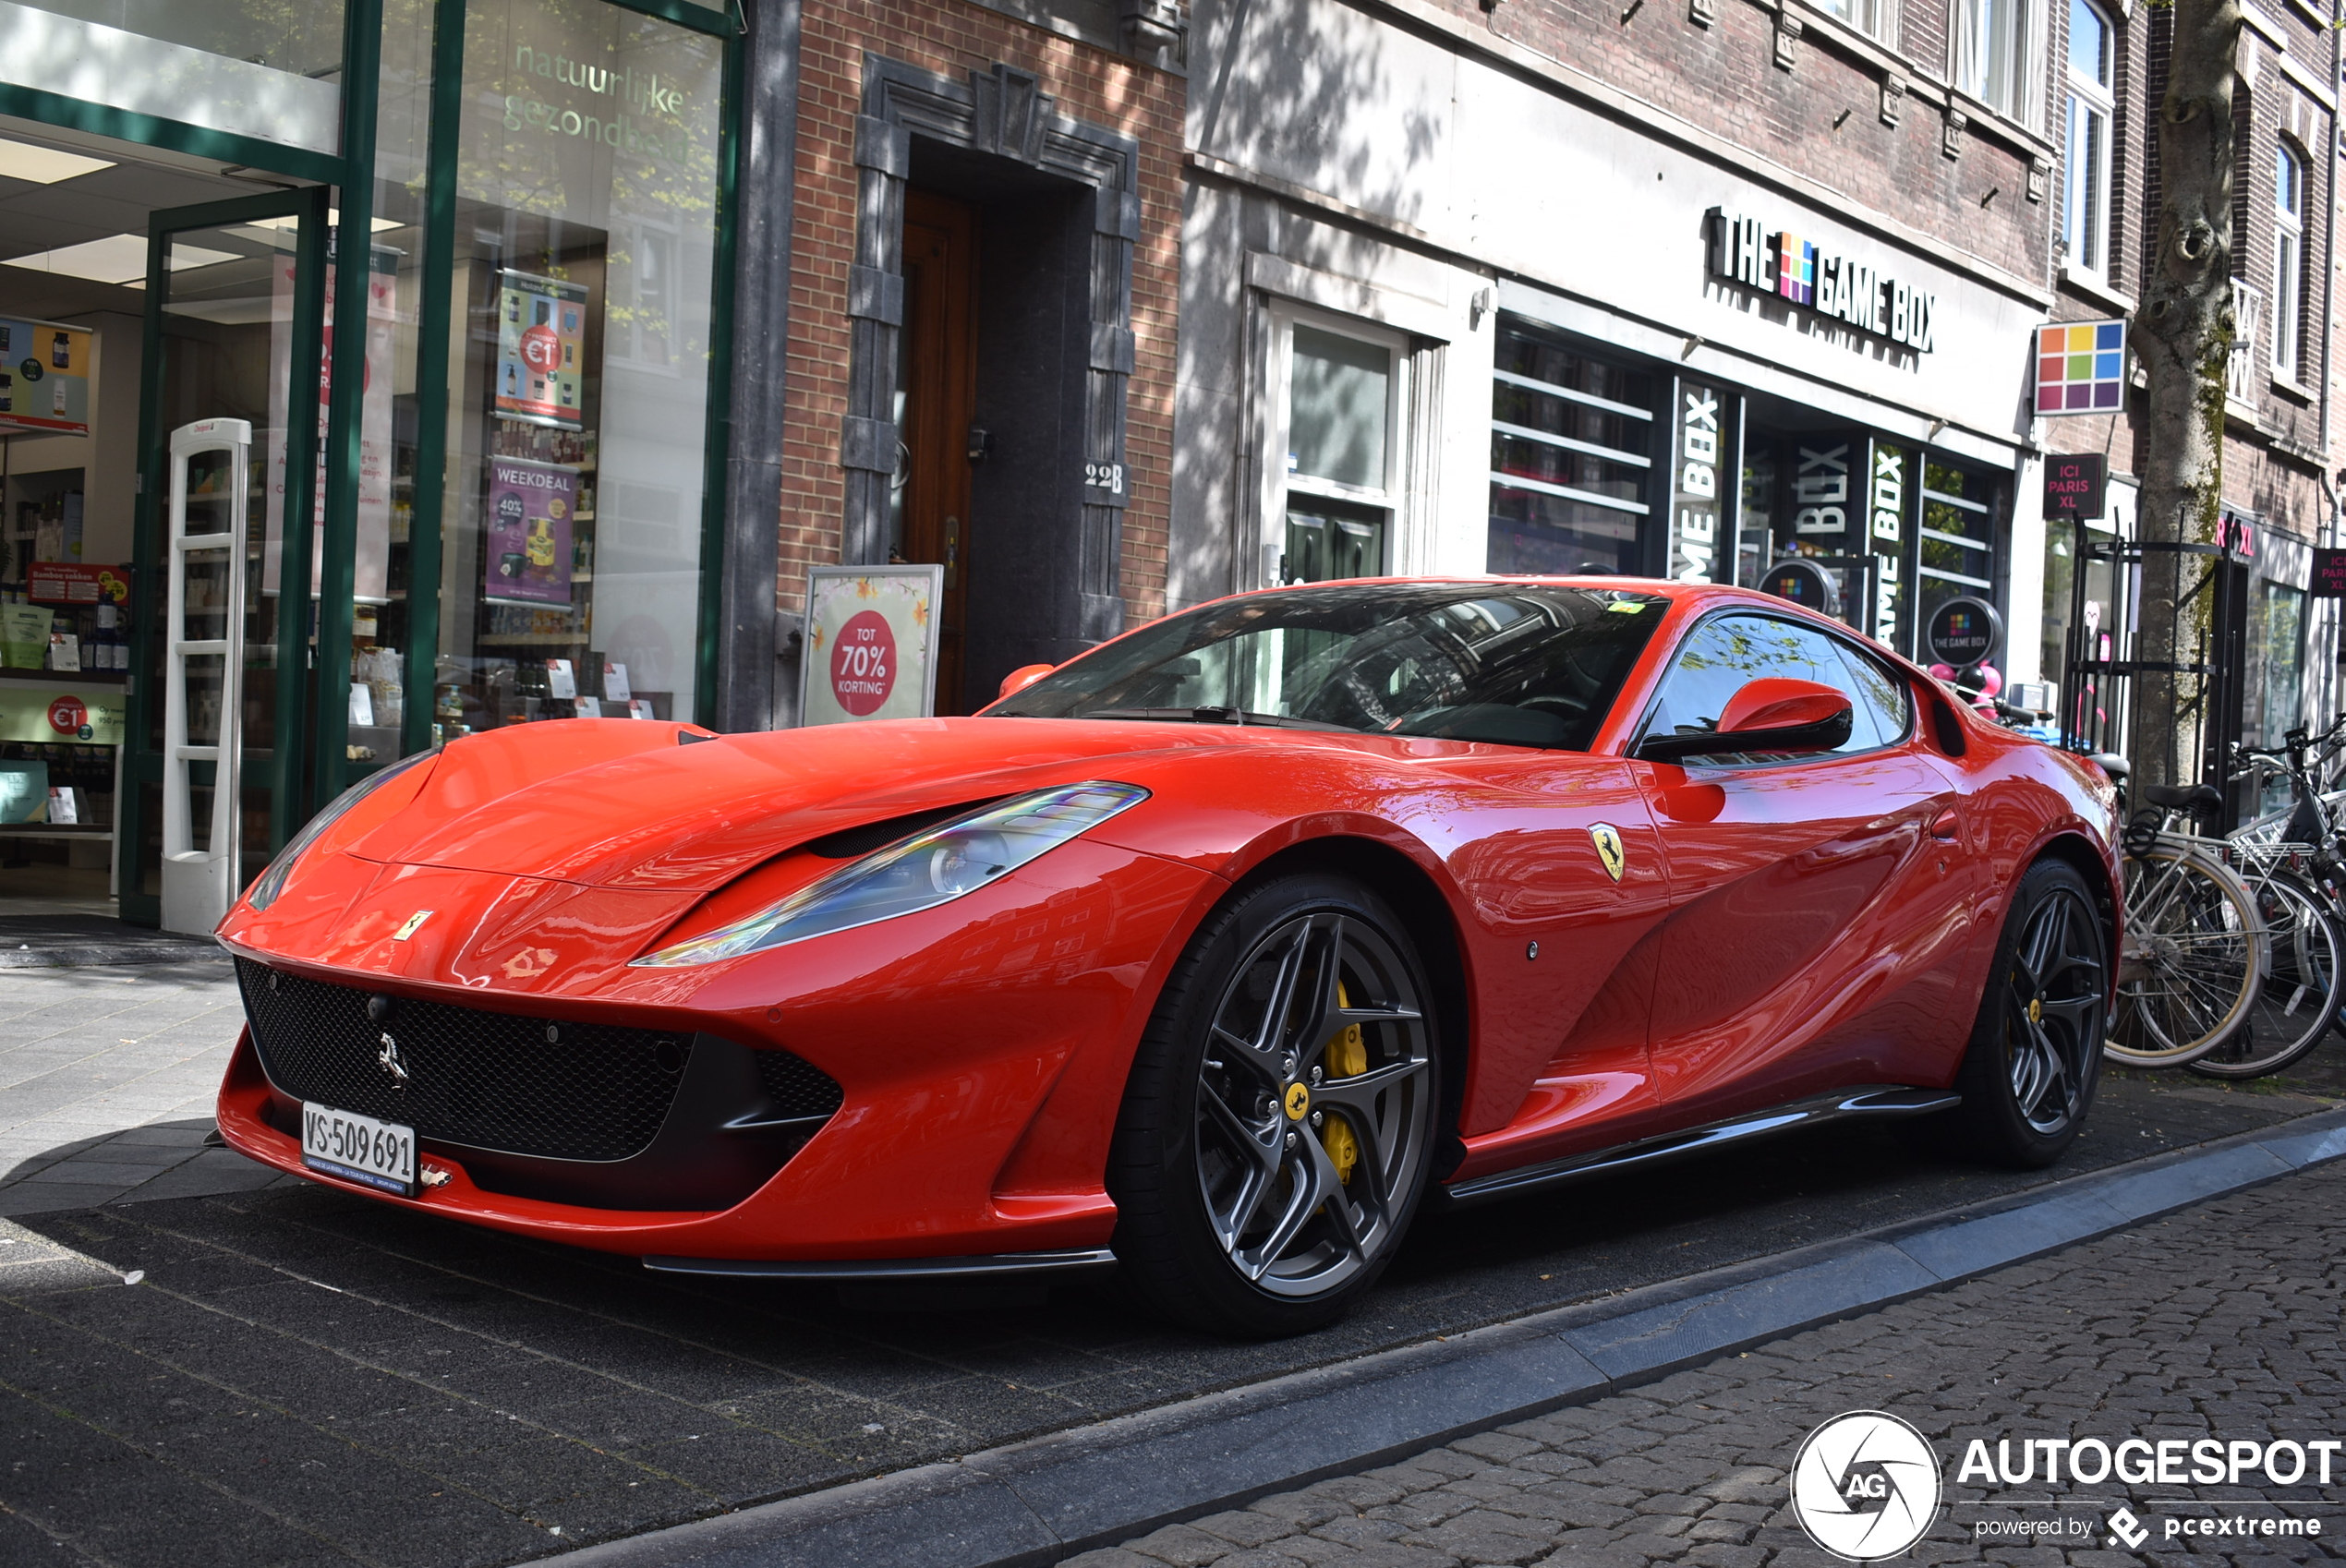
(1946, 824)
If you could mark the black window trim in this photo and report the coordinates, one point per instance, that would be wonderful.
(1830, 632)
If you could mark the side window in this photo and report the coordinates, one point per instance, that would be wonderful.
(1723, 653)
(1874, 690)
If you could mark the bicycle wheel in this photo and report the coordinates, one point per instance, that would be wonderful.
(2305, 970)
(2193, 962)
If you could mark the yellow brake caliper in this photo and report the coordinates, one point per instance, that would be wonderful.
(1347, 1056)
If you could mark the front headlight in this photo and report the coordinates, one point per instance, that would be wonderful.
(272, 881)
(920, 873)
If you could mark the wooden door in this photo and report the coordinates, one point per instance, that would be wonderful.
(937, 397)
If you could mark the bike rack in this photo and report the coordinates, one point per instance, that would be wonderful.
(2097, 664)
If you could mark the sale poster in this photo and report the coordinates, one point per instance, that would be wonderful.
(531, 509)
(541, 337)
(371, 579)
(871, 643)
(44, 378)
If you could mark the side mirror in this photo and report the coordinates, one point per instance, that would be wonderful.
(1772, 714)
(1025, 675)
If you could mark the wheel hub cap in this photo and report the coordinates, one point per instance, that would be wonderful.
(1299, 1101)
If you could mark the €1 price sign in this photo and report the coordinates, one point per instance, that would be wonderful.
(870, 649)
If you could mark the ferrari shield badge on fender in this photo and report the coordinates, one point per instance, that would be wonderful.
(415, 921)
(1607, 839)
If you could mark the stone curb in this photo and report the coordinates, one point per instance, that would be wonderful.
(1029, 1504)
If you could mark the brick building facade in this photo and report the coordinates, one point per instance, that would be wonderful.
(2278, 447)
(984, 269)
(1540, 285)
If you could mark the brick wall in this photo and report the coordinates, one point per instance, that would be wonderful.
(1088, 83)
(1821, 116)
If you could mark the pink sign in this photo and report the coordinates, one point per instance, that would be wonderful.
(863, 663)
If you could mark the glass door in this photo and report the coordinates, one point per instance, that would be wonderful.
(236, 309)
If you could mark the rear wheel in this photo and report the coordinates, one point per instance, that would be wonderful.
(2304, 976)
(2035, 1058)
(1278, 1130)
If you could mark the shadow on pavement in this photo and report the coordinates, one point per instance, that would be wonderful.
(303, 1371)
(171, 1159)
(83, 941)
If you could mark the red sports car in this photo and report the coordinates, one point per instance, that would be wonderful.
(1211, 955)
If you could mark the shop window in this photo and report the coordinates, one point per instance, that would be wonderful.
(2083, 703)
(1338, 398)
(1571, 437)
(2288, 257)
(1993, 49)
(578, 417)
(258, 68)
(1956, 553)
(2086, 206)
(2278, 633)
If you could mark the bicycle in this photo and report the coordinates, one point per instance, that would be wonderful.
(2295, 876)
(2194, 956)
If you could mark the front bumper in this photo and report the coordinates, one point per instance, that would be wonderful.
(980, 1051)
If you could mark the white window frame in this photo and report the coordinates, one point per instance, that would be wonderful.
(1877, 19)
(1282, 316)
(2289, 261)
(2089, 99)
(1971, 45)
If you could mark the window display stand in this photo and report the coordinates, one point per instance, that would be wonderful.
(205, 618)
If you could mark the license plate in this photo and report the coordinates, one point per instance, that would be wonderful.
(344, 1143)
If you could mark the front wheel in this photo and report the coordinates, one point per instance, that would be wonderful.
(2035, 1057)
(2194, 960)
(1279, 1127)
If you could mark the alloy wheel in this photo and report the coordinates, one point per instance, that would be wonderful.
(2053, 1010)
(1314, 1111)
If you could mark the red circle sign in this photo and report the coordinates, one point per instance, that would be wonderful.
(66, 716)
(542, 349)
(863, 663)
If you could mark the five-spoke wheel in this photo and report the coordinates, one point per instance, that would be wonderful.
(1277, 1131)
(2035, 1056)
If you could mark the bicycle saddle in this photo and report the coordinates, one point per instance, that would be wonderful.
(2117, 766)
(2181, 797)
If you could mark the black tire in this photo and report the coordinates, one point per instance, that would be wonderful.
(1238, 1211)
(2028, 1076)
(2304, 979)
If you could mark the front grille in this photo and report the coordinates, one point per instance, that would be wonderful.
(797, 1087)
(546, 1087)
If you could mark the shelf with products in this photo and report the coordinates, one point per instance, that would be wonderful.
(531, 639)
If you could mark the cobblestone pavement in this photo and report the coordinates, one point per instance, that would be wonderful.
(2220, 1320)
(305, 1374)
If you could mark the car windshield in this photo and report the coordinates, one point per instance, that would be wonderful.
(1518, 663)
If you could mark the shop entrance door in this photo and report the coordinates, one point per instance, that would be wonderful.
(234, 330)
(937, 385)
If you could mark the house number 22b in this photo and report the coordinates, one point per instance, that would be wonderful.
(1108, 476)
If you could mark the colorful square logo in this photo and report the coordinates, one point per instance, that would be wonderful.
(2081, 367)
(1796, 268)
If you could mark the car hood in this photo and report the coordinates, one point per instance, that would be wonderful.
(693, 817)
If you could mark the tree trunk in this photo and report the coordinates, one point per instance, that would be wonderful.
(2184, 334)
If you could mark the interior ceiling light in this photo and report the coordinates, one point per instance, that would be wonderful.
(44, 165)
(334, 215)
(118, 259)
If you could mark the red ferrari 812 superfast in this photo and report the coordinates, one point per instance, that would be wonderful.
(1212, 955)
